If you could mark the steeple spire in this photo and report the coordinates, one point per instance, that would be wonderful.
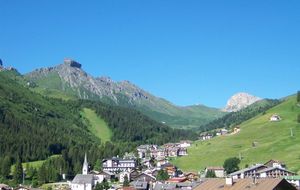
(85, 166)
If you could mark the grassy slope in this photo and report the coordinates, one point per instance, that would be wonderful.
(35, 164)
(274, 142)
(97, 125)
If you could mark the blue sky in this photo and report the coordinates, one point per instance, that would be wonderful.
(185, 51)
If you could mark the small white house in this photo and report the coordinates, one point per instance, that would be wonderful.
(219, 171)
(185, 144)
(275, 117)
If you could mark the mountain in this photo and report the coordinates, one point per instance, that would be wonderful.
(240, 101)
(233, 119)
(34, 127)
(258, 141)
(69, 80)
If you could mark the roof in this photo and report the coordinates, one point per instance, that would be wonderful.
(242, 184)
(177, 179)
(148, 175)
(160, 186)
(140, 184)
(272, 168)
(248, 169)
(2, 185)
(107, 173)
(273, 161)
(82, 179)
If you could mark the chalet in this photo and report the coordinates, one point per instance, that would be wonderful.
(222, 132)
(275, 117)
(158, 153)
(274, 173)
(177, 180)
(182, 152)
(140, 185)
(236, 130)
(245, 184)
(219, 171)
(275, 164)
(145, 150)
(145, 177)
(102, 175)
(170, 169)
(185, 144)
(116, 165)
(161, 161)
(248, 172)
(191, 176)
(205, 136)
(172, 151)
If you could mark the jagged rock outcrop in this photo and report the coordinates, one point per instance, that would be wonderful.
(239, 101)
(70, 78)
(71, 74)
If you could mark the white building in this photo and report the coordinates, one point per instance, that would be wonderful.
(83, 181)
(185, 144)
(219, 171)
(118, 165)
(275, 117)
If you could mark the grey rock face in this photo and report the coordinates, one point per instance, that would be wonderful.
(70, 73)
(239, 101)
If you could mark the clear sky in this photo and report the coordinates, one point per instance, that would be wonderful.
(187, 51)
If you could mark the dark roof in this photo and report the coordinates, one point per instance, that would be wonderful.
(245, 184)
(248, 169)
(82, 179)
(276, 168)
(140, 184)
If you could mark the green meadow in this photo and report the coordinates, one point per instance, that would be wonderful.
(97, 125)
(274, 140)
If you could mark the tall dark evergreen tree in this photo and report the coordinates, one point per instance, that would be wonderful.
(5, 166)
(18, 172)
(298, 96)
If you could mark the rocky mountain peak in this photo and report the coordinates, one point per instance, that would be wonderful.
(240, 101)
(72, 63)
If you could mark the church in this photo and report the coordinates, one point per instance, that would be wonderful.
(84, 181)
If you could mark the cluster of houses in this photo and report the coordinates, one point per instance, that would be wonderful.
(273, 170)
(272, 175)
(163, 152)
(117, 169)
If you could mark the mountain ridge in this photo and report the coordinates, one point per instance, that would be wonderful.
(70, 78)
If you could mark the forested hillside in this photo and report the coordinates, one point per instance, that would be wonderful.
(34, 127)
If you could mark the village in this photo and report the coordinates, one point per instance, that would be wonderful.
(149, 167)
(151, 170)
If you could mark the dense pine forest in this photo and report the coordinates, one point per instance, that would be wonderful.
(34, 127)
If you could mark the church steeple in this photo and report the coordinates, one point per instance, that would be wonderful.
(85, 166)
